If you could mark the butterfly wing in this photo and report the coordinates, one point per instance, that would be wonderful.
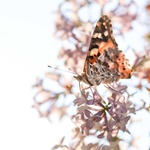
(104, 62)
(102, 39)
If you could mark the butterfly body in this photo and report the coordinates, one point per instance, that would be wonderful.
(104, 63)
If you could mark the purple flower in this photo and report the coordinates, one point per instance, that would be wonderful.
(107, 116)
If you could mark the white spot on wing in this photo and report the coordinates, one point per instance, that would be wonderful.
(97, 35)
(94, 51)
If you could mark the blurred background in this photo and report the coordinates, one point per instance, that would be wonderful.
(27, 47)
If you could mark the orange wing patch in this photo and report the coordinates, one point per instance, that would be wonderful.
(104, 46)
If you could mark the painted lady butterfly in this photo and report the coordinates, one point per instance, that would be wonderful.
(104, 63)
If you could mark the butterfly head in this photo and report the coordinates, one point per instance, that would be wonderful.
(83, 78)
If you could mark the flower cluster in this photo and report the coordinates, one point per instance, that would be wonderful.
(142, 65)
(107, 116)
(46, 98)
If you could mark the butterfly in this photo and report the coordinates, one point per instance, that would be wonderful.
(104, 62)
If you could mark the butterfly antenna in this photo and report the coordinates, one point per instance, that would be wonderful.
(62, 70)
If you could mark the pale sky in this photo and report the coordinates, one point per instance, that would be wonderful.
(26, 48)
